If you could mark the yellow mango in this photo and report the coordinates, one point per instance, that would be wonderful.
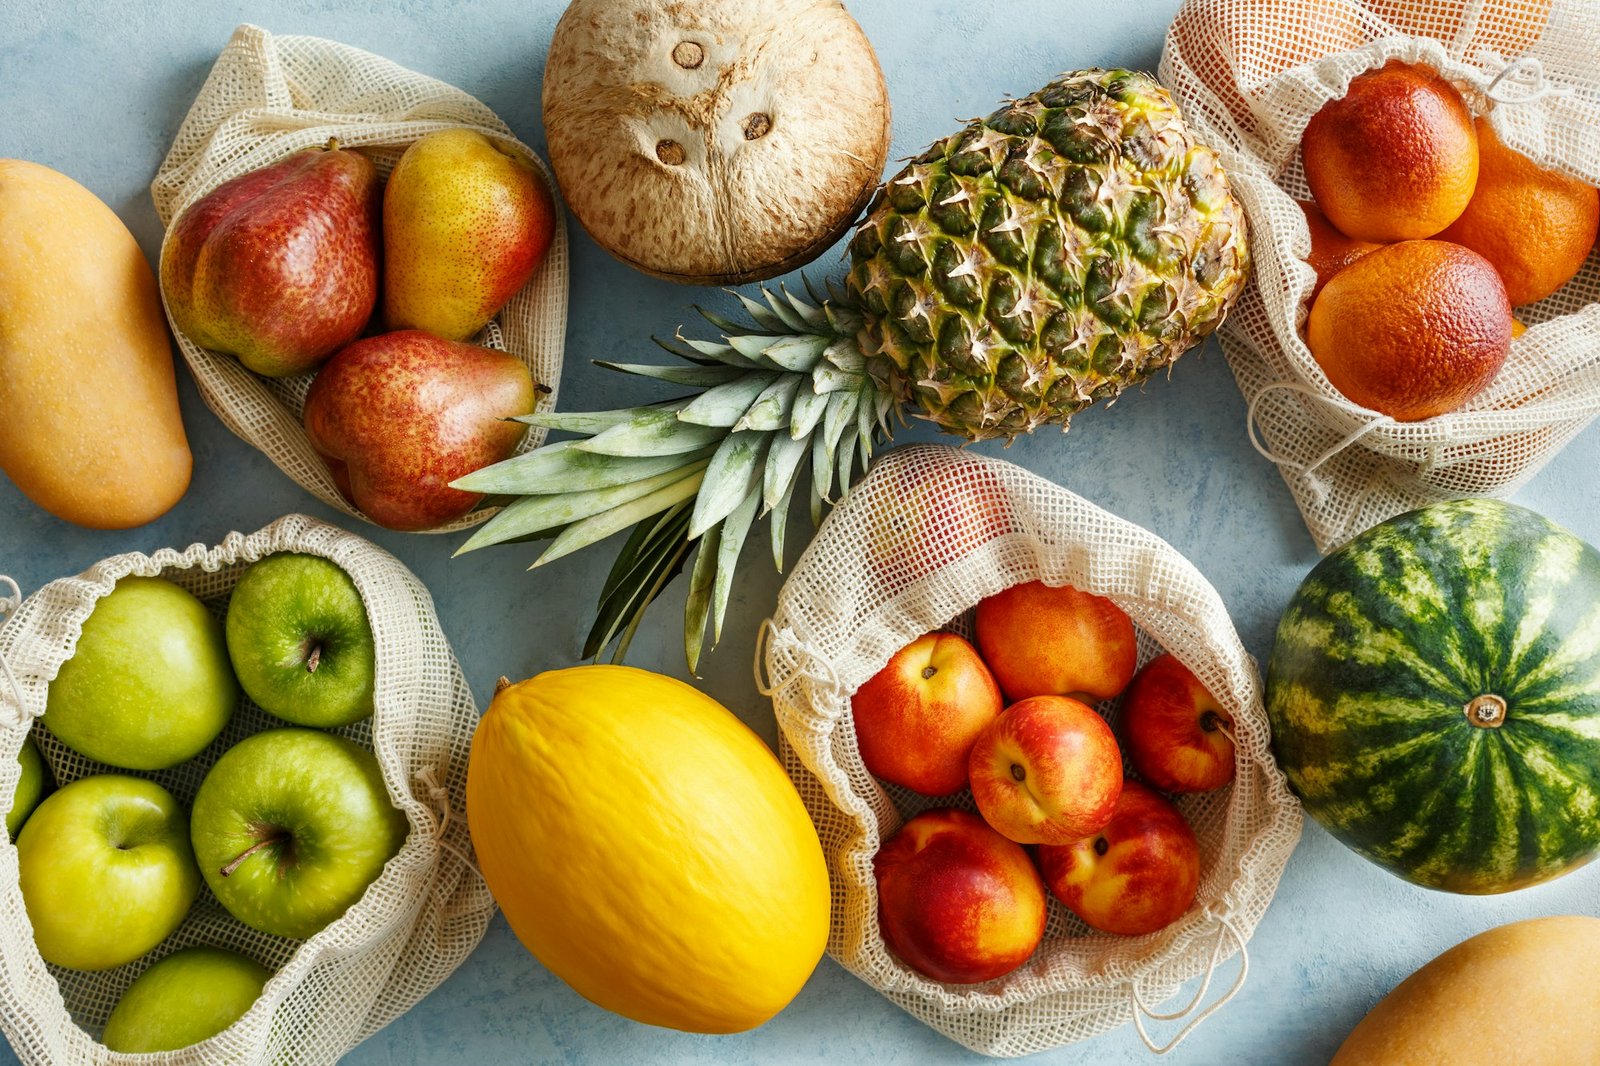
(1527, 994)
(90, 429)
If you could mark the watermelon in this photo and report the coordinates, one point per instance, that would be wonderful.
(1434, 692)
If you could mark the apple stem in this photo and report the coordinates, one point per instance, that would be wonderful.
(314, 659)
(251, 850)
(332, 145)
(929, 671)
(1101, 846)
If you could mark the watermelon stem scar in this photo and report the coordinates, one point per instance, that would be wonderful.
(1487, 711)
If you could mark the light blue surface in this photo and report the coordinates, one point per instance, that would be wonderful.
(97, 88)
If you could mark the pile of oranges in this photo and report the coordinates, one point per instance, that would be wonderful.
(1425, 233)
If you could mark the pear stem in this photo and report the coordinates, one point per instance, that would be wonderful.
(239, 859)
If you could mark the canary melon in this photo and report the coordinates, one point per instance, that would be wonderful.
(647, 848)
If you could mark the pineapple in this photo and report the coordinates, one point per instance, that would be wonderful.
(1037, 261)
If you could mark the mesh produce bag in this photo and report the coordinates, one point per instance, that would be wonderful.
(1249, 75)
(929, 533)
(411, 929)
(269, 96)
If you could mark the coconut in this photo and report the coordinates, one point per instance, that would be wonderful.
(714, 141)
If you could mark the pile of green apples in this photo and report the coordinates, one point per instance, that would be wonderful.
(315, 264)
(287, 829)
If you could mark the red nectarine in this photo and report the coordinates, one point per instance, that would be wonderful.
(1042, 640)
(1047, 771)
(1177, 733)
(916, 719)
(934, 516)
(957, 901)
(1137, 875)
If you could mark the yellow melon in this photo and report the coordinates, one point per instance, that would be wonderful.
(647, 848)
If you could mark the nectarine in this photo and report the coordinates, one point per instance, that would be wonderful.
(1137, 875)
(917, 718)
(957, 901)
(1042, 640)
(1177, 732)
(1047, 771)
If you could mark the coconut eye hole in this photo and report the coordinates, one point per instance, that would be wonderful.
(688, 55)
(756, 125)
(670, 152)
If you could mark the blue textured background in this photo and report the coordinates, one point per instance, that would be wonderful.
(97, 88)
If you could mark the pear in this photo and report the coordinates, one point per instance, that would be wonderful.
(279, 266)
(466, 222)
(399, 416)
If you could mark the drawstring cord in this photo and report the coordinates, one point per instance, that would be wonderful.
(443, 813)
(1141, 1012)
(803, 654)
(9, 605)
(1306, 470)
(1520, 81)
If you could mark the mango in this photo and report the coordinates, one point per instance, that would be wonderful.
(1522, 994)
(90, 429)
(466, 222)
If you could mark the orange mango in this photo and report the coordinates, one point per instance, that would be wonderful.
(91, 430)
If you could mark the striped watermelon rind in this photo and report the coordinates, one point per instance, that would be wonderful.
(1381, 651)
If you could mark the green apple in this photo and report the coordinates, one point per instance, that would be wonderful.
(106, 871)
(30, 786)
(300, 642)
(183, 999)
(291, 826)
(149, 684)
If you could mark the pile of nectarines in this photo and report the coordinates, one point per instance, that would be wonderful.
(959, 897)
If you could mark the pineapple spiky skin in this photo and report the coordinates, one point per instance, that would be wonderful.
(1038, 260)
(1046, 257)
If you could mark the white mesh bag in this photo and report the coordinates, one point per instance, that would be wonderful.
(412, 928)
(1249, 75)
(268, 96)
(930, 532)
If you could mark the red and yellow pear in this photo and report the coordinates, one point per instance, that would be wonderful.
(279, 266)
(466, 222)
(399, 416)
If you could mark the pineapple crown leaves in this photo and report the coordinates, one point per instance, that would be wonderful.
(1039, 260)
(788, 388)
